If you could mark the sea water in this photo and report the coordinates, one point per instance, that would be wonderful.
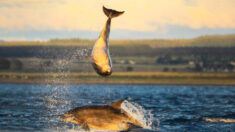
(162, 108)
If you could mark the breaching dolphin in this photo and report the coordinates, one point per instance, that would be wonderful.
(100, 54)
(107, 117)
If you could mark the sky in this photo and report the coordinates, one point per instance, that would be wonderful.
(143, 19)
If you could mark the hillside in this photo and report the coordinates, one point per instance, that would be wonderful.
(202, 41)
(202, 54)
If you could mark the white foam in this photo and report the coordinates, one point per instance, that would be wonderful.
(229, 120)
(145, 117)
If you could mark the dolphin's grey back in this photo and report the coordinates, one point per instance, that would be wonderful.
(110, 14)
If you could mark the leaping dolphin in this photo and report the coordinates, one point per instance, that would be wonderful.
(100, 54)
(107, 117)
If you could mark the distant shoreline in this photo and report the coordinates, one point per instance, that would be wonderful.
(200, 41)
(170, 84)
(122, 78)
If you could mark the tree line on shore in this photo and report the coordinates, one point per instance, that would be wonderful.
(201, 54)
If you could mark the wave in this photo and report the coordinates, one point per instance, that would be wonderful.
(224, 120)
(178, 120)
(145, 117)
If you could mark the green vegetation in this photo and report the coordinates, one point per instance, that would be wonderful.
(4, 64)
(203, 41)
(200, 63)
(121, 78)
(202, 60)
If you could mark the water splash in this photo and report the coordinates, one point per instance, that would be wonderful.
(58, 100)
(145, 117)
(65, 65)
(56, 103)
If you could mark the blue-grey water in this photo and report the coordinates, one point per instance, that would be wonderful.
(175, 108)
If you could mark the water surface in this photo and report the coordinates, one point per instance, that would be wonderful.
(175, 108)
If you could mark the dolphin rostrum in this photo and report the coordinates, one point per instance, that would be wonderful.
(100, 54)
(106, 117)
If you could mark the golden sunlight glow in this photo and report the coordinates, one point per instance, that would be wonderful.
(140, 15)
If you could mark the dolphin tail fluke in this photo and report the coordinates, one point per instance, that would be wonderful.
(112, 13)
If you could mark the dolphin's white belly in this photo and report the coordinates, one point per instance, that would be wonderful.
(100, 53)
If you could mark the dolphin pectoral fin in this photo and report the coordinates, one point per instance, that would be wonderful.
(96, 67)
(112, 13)
(85, 126)
(117, 104)
(129, 126)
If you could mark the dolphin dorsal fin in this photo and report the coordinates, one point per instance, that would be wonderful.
(116, 104)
